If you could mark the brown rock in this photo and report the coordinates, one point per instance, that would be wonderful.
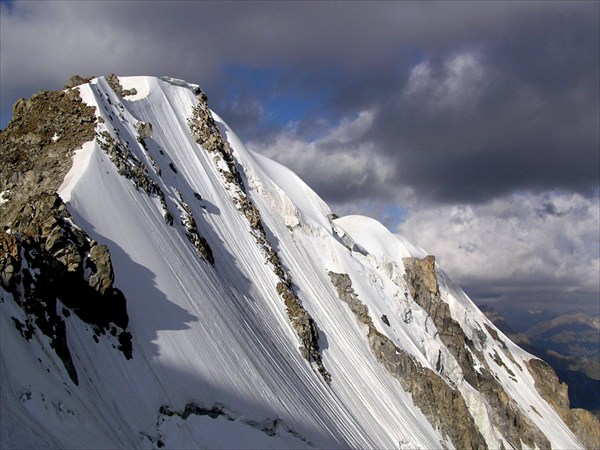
(443, 406)
(76, 80)
(582, 423)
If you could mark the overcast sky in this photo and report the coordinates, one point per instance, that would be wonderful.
(469, 127)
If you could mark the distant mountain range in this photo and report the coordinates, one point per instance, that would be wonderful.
(569, 342)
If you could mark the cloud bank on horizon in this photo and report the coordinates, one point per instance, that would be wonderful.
(472, 128)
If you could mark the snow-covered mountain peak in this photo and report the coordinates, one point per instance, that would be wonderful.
(163, 286)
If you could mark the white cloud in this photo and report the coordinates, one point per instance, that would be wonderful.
(459, 83)
(338, 163)
(523, 244)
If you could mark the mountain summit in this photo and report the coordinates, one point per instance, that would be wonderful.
(163, 286)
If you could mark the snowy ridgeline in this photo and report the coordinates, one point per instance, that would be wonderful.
(257, 320)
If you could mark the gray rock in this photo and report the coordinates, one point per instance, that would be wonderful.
(45, 242)
(510, 420)
(102, 279)
(442, 405)
(144, 130)
(116, 86)
(76, 80)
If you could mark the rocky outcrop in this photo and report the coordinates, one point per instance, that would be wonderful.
(116, 86)
(424, 290)
(344, 238)
(143, 130)
(77, 80)
(506, 416)
(44, 257)
(421, 274)
(442, 404)
(271, 427)
(305, 327)
(131, 167)
(44, 126)
(583, 423)
(191, 230)
(206, 133)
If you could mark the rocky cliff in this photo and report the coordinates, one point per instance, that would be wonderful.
(49, 265)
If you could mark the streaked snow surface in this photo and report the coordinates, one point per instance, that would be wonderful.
(221, 336)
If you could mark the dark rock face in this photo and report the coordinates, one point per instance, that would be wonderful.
(45, 258)
(505, 414)
(206, 133)
(443, 405)
(191, 230)
(103, 277)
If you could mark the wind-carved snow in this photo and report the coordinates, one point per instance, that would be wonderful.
(220, 335)
(139, 83)
(81, 160)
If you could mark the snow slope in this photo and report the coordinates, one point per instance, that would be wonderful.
(219, 337)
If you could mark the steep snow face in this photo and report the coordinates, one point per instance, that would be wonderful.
(215, 358)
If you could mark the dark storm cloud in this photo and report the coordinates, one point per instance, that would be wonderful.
(528, 119)
(520, 113)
